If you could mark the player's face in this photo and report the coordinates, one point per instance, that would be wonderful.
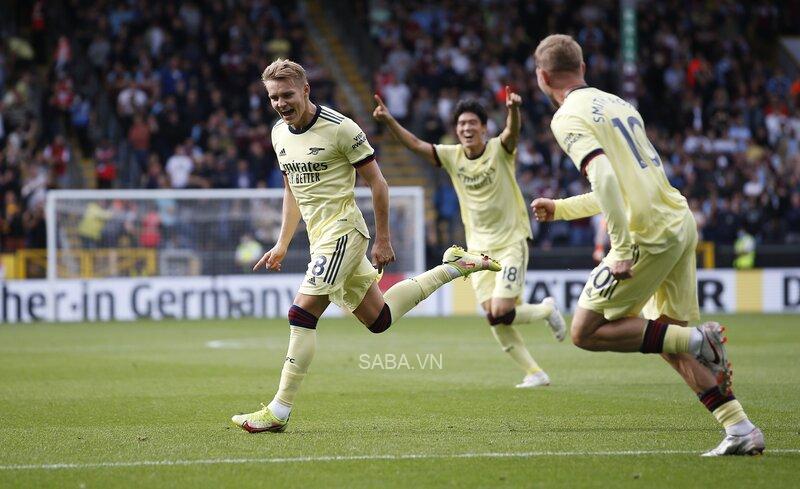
(470, 130)
(289, 99)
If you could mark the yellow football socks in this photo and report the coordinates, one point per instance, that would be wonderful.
(404, 295)
(511, 342)
(730, 413)
(528, 313)
(665, 338)
(676, 339)
(302, 345)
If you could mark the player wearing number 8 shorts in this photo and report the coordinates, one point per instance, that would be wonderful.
(320, 151)
(495, 220)
(651, 265)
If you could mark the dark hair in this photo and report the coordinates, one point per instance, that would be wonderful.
(470, 105)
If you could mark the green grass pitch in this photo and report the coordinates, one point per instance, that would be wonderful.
(148, 405)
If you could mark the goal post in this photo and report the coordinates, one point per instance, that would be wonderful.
(174, 233)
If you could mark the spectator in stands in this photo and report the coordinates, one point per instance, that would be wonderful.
(248, 251)
(179, 168)
(11, 225)
(93, 222)
(58, 156)
(730, 134)
(155, 176)
(448, 216)
(106, 169)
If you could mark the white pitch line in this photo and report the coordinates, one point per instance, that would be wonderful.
(346, 458)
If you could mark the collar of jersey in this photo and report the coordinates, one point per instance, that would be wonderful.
(579, 87)
(308, 126)
(478, 155)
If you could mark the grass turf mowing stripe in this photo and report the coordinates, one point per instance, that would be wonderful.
(340, 458)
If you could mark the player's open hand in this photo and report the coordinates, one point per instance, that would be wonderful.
(381, 113)
(271, 259)
(544, 209)
(382, 254)
(512, 99)
(622, 269)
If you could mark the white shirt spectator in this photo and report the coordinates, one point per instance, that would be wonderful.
(130, 100)
(179, 167)
(460, 62)
(397, 98)
(399, 61)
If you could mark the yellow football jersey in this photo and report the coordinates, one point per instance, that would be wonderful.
(591, 122)
(492, 208)
(319, 162)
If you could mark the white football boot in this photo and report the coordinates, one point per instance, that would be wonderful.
(555, 320)
(538, 379)
(749, 444)
(714, 355)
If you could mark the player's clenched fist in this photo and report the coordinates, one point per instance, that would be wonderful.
(512, 99)
(271, 259)
(543, 209)
(381, 113)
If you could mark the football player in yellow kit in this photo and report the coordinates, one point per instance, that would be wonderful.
(495, 218)
(319, 151)
(651, 265)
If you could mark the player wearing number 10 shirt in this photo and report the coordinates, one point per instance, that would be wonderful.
(651, 266)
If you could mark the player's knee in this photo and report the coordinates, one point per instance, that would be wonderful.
(382, 322)
(579, 337)
(500, 309)
(505, 318)
(302, 318)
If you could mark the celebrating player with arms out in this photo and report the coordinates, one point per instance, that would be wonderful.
(495, 220)
(653, 240)
(319, 151)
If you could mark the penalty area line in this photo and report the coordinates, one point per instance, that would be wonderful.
(347, 458)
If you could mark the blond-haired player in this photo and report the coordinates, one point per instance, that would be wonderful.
(319, 151)
(653, 239)
(495, 220)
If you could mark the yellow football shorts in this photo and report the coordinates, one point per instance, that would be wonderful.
(339, 268)
(662, 283)
(509, 282)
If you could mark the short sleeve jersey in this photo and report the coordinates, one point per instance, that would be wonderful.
(319, 162)
(592, 122)
(492, 207)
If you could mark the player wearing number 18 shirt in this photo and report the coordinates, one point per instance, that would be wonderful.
(651, 266)
(495, 220)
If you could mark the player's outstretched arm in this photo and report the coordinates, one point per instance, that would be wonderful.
(576, 207)
(608, 192)
(409, 140)
(382, 252)
(291, 218)
(510, 135)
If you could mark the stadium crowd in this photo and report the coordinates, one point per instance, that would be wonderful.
(726, 122)
(151, 94)
(166, 95)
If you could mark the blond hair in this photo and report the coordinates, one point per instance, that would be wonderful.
(284, 69)
(559, 53)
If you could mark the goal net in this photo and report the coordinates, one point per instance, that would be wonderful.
(173, 233)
